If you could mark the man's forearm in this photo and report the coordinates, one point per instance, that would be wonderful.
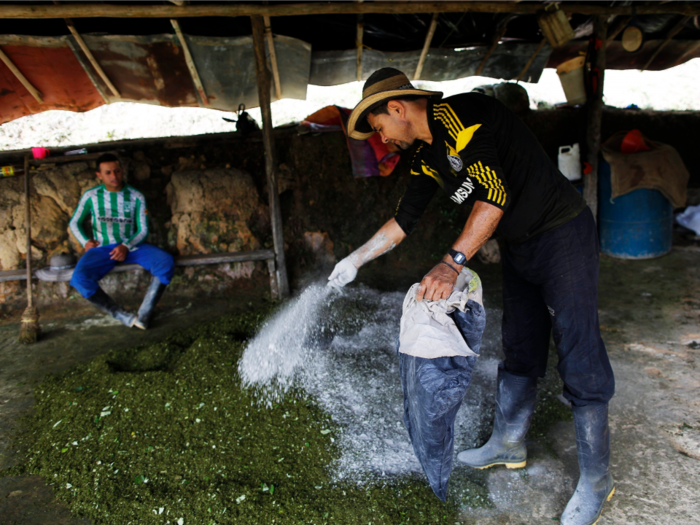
(386, 239)
(480, 226)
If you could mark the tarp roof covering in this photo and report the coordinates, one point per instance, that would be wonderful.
(144, 59)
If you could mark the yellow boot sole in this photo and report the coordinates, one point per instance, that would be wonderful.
(612, 493)
(508, 465)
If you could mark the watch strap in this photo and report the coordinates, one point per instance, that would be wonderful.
(458, 256)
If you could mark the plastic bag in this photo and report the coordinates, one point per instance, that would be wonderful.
(433, 389)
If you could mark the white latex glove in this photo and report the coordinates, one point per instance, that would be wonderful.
(343, 273)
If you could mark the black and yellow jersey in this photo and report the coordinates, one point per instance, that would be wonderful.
(481, 151)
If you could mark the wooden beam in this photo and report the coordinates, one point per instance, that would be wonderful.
(673, 32)
(594, 113)
(263, 76)
(88, 70)
(190, 63)
(531, 60)
(120, 10)
(23, 80)
(620, 24)
(90, 57)
(426, 46)
(273, 57)
(359, 34)
(494, 43)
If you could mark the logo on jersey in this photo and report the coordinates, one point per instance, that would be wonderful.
(455, 162)
(463, 191)
(127, 207)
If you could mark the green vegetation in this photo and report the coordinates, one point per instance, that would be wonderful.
(164, 434)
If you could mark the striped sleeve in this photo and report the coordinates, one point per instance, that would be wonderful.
(422, 185)
(77, 222)
(140, 229)
(476, 147)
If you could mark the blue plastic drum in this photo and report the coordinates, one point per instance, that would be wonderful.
(637, 225)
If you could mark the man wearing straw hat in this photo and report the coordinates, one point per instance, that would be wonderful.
(481, 155)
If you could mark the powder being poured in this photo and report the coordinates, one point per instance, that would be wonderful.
(270, 360)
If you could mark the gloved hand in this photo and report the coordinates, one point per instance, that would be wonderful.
(343, 273)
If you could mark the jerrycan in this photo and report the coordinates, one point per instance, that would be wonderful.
(569, 161)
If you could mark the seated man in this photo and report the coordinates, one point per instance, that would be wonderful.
(119, 226)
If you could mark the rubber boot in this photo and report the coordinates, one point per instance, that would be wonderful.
(105, 303)
(515, 404)
(153, 295)
(595, 484)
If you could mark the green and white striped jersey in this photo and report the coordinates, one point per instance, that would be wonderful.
(117, 217)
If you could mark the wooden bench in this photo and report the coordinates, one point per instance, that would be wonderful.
(184, 260)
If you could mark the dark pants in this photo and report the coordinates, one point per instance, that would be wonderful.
(95, 264)
(550, 285)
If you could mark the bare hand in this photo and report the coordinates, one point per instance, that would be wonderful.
(119, 253)
(91, 244)
(437, 284)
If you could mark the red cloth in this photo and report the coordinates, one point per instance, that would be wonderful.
(369, 157)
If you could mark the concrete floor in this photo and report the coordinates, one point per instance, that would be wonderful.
(650, 317)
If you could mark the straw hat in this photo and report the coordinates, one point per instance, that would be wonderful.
(384, 84)
(60, 268)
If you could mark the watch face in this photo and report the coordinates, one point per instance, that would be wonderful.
(458, 257)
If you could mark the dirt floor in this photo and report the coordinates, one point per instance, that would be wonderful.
(650, 316)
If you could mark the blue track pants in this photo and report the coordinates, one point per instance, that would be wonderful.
(95, 264)
(550, 286)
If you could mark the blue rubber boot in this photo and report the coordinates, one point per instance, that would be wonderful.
(595, 484)
(515, 404)
(153, 295)
(105, 303)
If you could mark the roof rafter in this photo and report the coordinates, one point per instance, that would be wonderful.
(84, 10)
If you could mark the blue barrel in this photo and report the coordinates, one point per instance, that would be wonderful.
(637, 225)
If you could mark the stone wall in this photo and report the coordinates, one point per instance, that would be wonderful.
(208, 194)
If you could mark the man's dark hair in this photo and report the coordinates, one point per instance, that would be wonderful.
(107, 157)
(383, 109)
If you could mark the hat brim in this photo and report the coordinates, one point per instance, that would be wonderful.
(359, 128)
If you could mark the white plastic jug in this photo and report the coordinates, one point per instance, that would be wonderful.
(570, 161)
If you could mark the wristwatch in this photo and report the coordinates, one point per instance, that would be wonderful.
(458, 257)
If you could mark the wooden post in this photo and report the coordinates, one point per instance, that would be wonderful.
(23, 80)
(496, 39)
(263, 75)
(594, 107)
(190, 62)
(28, 226)
(676, 29)
(358, 43)
(532, 59)
(426, 46)
(273, 57)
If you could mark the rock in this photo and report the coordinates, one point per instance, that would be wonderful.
(211, 210)
(142, 171)
(61, 185)
(321, 246)
(489, 253)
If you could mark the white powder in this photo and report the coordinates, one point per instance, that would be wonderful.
(341, 349)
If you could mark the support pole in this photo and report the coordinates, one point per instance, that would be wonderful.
(496, 39)
(29, 328)
(263, 75)
(23, 80)
(426, 46)
(594, 107)
(273, 57)
(190, 62)
(358, 43)
(91, 58)
(532, 59)
(676, 29)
